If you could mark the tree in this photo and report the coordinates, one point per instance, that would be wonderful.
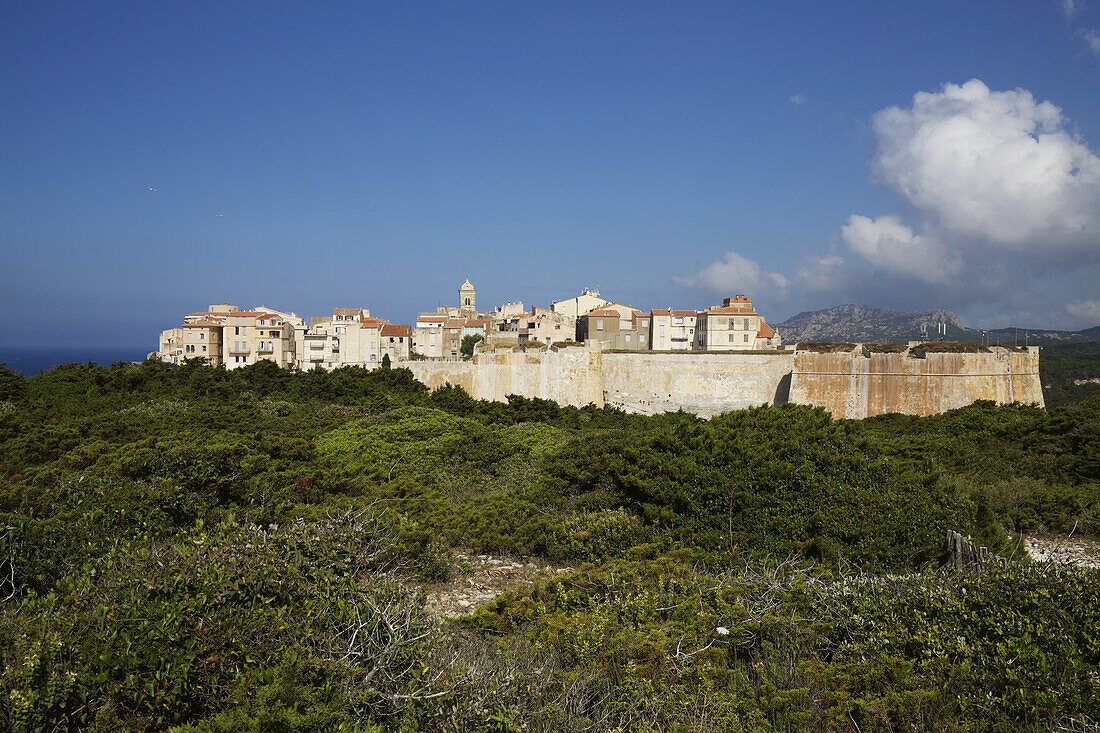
(385, 361)
(468, 343)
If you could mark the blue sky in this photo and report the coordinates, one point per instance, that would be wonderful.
(376, 154)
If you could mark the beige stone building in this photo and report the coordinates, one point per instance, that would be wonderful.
(250, 336)
(672, 330)
(575, 307)
(615, 328)
(202, 339)
(395, 341)
(428, 335)
(734, 326)
(540, 324)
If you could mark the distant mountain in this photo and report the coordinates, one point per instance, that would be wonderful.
(861, 323)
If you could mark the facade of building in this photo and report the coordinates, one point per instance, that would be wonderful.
(226, 335)
(577, 306)
(395, 341)
(734, 326)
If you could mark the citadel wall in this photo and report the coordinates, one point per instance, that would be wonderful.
(847, 383)
(851, 384)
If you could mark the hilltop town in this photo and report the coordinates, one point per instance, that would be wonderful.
(226, 334)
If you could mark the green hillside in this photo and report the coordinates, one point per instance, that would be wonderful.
(248, 550)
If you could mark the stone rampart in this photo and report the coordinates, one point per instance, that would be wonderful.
(851, 383)
(570, 376)
(857, 384)
(704, 384)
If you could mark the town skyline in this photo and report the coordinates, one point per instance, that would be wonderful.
(901, 157)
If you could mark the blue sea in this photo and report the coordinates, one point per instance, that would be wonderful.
(34, 359)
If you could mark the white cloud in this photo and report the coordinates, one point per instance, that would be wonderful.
(798, 99)
(1071, 8)
(1092, 39)
(1003, 202)
(1085, 311)
(735, 274)
(888, 244)
(993, 166)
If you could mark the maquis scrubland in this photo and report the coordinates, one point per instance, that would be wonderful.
(195, 549)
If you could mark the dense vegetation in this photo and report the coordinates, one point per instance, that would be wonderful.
(1070, 373)
(226, 550)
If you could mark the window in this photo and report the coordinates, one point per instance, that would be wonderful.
(641, 338)
(341, 329)
(731, 324)
(661, 329)
(746, 338)
(202, 336)
(628, 338)
(746, 325)
(732, 338)
(679, 320)
(373, 357)
(599, 324)
(236, 330)
(204, 348)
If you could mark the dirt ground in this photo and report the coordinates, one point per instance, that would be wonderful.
(1063, 549)
(479, 579)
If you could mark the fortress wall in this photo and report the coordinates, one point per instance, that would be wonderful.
(851, 385)
(703, 384)
(568, 377)
(848, 384)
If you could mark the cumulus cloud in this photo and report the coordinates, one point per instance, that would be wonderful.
(1085, 311)
(888, 244)
(1092, 39)
(1000, 195)
(994, 166)
(735, 274)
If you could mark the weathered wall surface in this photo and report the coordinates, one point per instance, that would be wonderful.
(704, 384)
(852, 385)
(568, 376)
(848, 384)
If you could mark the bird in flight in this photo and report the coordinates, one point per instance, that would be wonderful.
(151, 188)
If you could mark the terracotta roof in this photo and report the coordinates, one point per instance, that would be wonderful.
(202, 324)
(371, 322)
(396, 329)
(199, 313)
(602, 313)
(454, 323)
(346, 311)
(684, 313)
(766, 331)
(477, 322)
(432, 319)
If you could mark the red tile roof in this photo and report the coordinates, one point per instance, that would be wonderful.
(766, 331)
(684, 313)
(346, 311)
(202, 324)
(371, 322)
(602, 313)
(396, 329)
